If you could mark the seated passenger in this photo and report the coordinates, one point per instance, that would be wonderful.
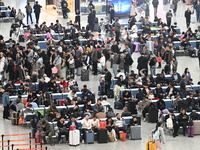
(98, 107)
(86, 125)
(183, 120)
(125, 112)
(119, 125)
(62, 130)
(170, 121)
(51, 112)
(110, 126)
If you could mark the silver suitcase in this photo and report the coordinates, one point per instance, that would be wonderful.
(135, 133)
(196, 126)
(74, 138)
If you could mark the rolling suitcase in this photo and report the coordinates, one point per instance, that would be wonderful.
(153, 116)
(196, 126)
(118, 105)
(132, 107)
(150, 145)
(135, 133)
(96, 26)
(110, 94)
(15, 118)
(74, 138)
(21, 38)
(190, 131)
(137, 46)
(147, 117)
(79, 71)
(60, 102)
(89, 137)
(101, 90)
(38, 137)
(84, 75)
(102, 136)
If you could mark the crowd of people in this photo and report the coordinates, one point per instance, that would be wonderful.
(29, 64)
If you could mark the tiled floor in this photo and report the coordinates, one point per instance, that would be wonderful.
(177, 143)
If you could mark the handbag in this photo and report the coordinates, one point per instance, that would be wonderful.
(159, 59)
(111, 137)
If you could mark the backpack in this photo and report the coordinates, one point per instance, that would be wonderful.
(118, 59)
(169, 123)
(194, 116)
(156, 135)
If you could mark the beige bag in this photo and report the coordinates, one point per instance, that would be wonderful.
(111, 137)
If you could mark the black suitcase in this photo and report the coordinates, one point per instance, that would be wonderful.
(118, 105)
(21, 38)
(102, 136)
(110, 94)
(192, 53)
(84, 75)
(153, 113)
(132, 107)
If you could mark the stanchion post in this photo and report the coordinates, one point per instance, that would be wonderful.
(8, 144)
(12, 146)
(2, 141)
(45, 148)
(30, 140)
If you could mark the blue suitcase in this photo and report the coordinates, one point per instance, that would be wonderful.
(89, 137)
(118, 105)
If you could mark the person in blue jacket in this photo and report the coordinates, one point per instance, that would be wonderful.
(6, 104)
(197, 7)
(72, 122)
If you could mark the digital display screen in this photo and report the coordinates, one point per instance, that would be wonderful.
(121, 7)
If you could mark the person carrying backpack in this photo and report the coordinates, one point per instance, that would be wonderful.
(158, 136)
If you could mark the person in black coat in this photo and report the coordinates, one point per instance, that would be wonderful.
(64, 6)
(183, 120)
(127, 62)
(10, 68)
(91, 5)
(112, 13)
(175, 124)
(37, 10)
(108, 77)
(142, 63)
(91, 20)
(78, 18)
(188, 17)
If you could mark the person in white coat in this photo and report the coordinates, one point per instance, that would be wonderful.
(102, 62)
(132, 12)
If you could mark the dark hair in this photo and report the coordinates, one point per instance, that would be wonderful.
(157, 125)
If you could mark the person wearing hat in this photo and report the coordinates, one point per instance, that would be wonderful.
(6, 103)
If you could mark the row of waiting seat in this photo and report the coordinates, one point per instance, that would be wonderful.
(42, 110)
(135, 91)
(53, 95)
(4, 13)
(114, 81)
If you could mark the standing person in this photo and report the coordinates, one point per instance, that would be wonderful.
(28, 12)
(6, 104)
(197, 7)
(127, 62)
(182, 87)
(175, 4)
(71, 65)
(107, 77)
(64, 6)
(19, 17)
(37, 10)
(158, 136)
(188, 17)
(57, 63)
(117, 30)
(78, 18)
(155, 4)
(91, 20)
(108, 7)
(112, 13)
(133, 11)
(169, 18)
(142, 63)
(94, 58)
(152, 64)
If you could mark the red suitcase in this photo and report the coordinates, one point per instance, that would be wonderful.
(38, 137)
(15, 118)
(61, 102)
(190, 131)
